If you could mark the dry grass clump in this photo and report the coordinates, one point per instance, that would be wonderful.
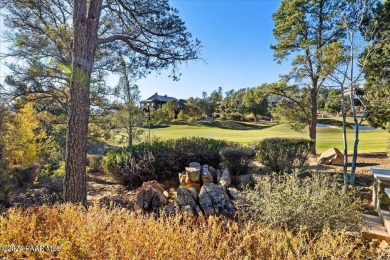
(117, 234)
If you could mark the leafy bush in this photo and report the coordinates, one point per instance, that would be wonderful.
(283, 154)
(234, 116)
(53, 169)
(23, 176)
(163, 159)
(115, 234)
(237, 159)
(316, 202)
(135, 170)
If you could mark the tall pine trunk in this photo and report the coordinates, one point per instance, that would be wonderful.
(83, 53)
(313, 121)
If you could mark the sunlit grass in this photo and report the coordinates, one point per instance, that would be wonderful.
(248, 133)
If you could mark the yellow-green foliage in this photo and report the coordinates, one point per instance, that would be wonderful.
(22, 139)
(119, 234)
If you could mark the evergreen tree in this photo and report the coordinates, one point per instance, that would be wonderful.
(254, 101)
(82, 36)
(308, 30)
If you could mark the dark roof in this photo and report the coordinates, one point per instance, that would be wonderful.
(159, 98)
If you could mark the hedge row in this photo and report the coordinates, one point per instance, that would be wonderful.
(162, 159)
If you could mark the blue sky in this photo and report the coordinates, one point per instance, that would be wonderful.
(236, 36)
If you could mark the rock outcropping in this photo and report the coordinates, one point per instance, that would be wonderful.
(150, 197)
(332, 156)
(214, 200)
(199, 192)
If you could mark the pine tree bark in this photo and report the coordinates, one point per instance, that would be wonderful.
(85, 24)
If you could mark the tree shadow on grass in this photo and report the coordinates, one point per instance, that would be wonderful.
(158, 126)
(333, 122)
(229, 124)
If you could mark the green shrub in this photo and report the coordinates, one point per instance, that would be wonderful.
(283, 154)
(315, 202)
(234, 116)
(237, 159)
(163, 159)
(53, 169)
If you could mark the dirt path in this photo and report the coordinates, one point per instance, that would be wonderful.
(103, 188)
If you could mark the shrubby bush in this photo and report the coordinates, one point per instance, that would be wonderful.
(54, 168)
(315, 202)
(234, 116)
(94, 162)
(5, 186)
(237, 159)
(52, 178)
(283, 154)
(54, 187)
(115, 234)
(162, 159)
(23, 176)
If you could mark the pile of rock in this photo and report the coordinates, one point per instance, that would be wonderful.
(203, 189)
(151, 197)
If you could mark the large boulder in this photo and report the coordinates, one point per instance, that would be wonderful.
(195, 186)
(193, 174)
(172, 208)
(224, 178)
(213, 172)
(187, 197)
(214, 200)
(194, 164)
(244, 181)
(332, 156)
(154, 184)
(234, 193)
(237, 197)
(206, 175)
(149, 197)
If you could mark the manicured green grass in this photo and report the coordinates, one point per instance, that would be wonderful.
(248, 133)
